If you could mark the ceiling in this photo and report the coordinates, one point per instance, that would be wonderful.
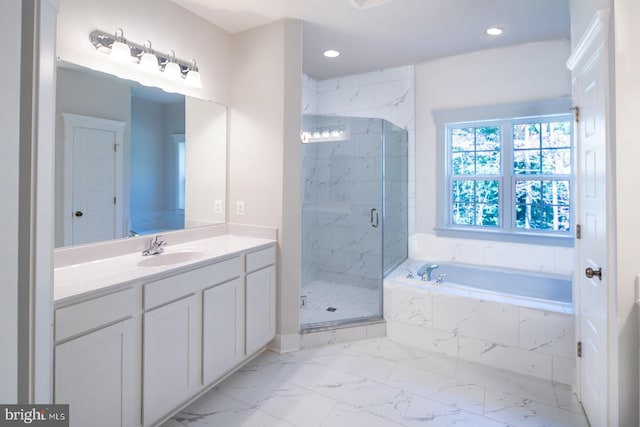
(392, 33)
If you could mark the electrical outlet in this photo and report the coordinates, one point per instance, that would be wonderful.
(240, 207)
(217, 206)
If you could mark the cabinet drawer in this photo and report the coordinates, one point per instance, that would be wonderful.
(261, 258)
(175, 287)
(85, 316)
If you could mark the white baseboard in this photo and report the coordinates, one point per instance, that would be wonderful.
(285, 343)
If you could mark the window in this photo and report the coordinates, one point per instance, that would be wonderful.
(506, 177)
(180, 155)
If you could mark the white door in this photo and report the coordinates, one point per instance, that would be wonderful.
(93, 205)
(590, 92)
(94, 185)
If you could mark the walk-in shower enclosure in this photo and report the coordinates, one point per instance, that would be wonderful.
(354, 216)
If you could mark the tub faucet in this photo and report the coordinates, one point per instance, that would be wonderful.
(441, 276)
(425, 272)
(155, 246)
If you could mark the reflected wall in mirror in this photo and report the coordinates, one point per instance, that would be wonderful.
(133, 160)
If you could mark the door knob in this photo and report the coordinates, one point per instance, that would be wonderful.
(78, 213)
(590, 272)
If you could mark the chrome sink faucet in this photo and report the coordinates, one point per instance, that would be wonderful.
(155, 246)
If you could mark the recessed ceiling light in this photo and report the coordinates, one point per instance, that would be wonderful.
(366, 4)
(494, 31)
(331, 53)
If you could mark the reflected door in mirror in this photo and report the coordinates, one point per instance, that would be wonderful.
(93, 179)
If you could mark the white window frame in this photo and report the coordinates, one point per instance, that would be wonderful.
(503, 116)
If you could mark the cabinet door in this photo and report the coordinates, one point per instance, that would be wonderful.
(98, 375)
(223, 329)
(171, 357)
(261, 308)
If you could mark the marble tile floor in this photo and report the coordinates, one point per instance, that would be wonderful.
(378, 383)
(350, 302)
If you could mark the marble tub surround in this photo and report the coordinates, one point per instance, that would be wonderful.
(536, 340)
(379, 383)
(119, 264)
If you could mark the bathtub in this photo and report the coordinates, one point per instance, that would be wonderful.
(509, 319)
(545, 286)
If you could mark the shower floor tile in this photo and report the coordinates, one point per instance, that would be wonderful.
(377, 382)
(333, 302)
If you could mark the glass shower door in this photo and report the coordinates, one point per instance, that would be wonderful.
(342, 223)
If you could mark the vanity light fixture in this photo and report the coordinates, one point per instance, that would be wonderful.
(149, 60)
(325, 134)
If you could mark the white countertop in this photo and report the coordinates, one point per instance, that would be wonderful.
(77, 280)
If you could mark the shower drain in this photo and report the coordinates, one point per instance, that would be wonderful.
(331, 309)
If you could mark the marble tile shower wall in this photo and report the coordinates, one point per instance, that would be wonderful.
(396, 215)
(385, 94)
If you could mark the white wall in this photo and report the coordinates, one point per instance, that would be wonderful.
(26, 165)
(520, 73)
(206, 136)
(164, 23)
(627, 153)
(10, 27)
(264, 148)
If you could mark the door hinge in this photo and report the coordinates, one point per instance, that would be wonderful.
(579, 349)
(578, 231)
(114, 200)
(576, 114)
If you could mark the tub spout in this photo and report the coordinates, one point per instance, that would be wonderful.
(425, 271)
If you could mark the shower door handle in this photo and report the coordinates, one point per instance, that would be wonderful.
(374, 218)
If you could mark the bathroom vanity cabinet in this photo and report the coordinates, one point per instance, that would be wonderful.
(97, 359)
(135, 356)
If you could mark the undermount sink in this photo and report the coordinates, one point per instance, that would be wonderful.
(170, 258)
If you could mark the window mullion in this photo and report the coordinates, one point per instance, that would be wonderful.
(507, 200)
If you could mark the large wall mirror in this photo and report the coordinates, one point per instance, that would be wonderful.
(134, 160)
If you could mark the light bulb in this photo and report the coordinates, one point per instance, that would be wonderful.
(120, 51)
(148, 60)
(193, 79)
(172, 71)
(149, 63)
